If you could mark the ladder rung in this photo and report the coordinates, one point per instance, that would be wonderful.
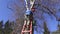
(27, 31)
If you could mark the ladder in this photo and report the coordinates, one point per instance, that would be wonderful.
(26, 30)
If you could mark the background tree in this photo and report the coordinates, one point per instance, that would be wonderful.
(7, 29)
(18, 9)
(42, 6)
(1, 27)
(46, 31)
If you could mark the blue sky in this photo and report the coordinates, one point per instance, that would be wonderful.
(6, 14)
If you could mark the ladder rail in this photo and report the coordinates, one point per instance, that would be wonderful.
(26, 31)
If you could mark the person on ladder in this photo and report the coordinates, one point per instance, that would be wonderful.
(29, 16)
(28, 13)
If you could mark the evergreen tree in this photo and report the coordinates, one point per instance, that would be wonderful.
(1, 25)
(7, 29)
